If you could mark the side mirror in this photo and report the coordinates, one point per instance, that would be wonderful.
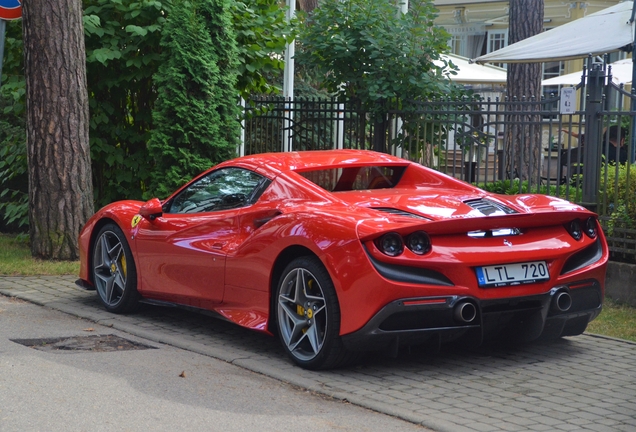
(151, 209)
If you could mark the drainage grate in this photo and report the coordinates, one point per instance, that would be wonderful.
(94, 343)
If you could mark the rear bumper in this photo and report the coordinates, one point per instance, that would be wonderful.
(565, 310)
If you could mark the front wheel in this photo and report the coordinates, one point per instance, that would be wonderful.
(308, 316)
(114, 271)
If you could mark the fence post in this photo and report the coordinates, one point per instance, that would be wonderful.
(288, 116)
(593, 125)
(338, 126)
(241, 145)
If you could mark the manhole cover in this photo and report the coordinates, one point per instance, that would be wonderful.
(95, 343)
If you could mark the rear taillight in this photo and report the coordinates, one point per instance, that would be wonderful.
(419, 243)
(391, 244)
(591, 227)
(574, 228)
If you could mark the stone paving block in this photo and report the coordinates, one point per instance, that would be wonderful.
(566, 427)
(631, 421)
(507, 409)
(483, 427)
(603, 428)
(549, 421)
(540, 428)
(579, 421)
(412, 407)
(519, 421)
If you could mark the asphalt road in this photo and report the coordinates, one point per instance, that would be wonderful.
(91, 388)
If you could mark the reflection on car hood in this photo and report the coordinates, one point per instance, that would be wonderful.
(433, 204)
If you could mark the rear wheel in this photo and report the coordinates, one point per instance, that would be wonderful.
(308, 316)
(114, 272)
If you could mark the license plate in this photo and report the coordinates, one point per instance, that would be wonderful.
(512, 274)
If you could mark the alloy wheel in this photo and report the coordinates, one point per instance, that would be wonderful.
(302, 314)
(109, 268)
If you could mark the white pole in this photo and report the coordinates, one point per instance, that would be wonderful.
(3, 25)
(404, 9)
(288, 83)
(241, 146)
(338, 128)
(404, 6)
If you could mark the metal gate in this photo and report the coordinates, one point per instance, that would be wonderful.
(560, 146)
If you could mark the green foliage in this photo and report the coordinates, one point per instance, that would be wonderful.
(14, 205)
(517, 187)
(262, 32)
(368, 51)
(122, 49)
(196, 113)
(123, 54)
(618, 189)
(13, 161)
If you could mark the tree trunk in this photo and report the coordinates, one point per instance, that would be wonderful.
(523, 153)
(307, 5)
(60, 188)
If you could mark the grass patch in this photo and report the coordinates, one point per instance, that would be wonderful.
(617, 320)
(16, 260)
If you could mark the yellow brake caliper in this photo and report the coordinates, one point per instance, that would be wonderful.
(300, 310)
(123, 265)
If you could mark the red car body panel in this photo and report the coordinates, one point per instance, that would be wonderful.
(225, 261)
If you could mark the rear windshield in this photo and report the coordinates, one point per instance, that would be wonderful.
(355, 178)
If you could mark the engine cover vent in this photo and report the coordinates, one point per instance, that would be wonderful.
(399, 212)
(488, 207)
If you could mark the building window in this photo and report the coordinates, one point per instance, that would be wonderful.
(550, 70)
(457, 43)
(497, 39)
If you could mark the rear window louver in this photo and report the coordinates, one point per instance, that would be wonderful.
(399, 212)
(488, 207)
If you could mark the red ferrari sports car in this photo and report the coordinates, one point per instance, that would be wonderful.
(345, 251)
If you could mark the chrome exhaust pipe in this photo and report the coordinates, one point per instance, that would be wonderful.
(465, 312)
(562, 301)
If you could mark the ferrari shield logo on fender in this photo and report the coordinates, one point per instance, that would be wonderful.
(135, 220)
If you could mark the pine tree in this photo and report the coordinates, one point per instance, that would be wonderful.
(60, 188)
(524, 83)
(196, 113)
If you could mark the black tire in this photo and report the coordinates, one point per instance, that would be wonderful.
(308, 316)
(113, 270)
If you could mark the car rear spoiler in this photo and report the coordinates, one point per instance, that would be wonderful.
(371, 228)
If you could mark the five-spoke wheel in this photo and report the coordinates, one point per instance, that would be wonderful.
(308, 315)
(114, 272)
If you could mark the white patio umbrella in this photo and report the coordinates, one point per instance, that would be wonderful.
(621, 74)
(469, 73)
(596, 34)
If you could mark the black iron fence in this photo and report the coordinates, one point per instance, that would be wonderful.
(274, 124)
(561, 146)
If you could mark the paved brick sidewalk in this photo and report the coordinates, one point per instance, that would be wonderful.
(581, 383)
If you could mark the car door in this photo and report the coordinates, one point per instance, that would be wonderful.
(181, 254)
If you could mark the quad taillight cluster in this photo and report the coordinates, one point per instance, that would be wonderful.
(393, 244)
(576, 228)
